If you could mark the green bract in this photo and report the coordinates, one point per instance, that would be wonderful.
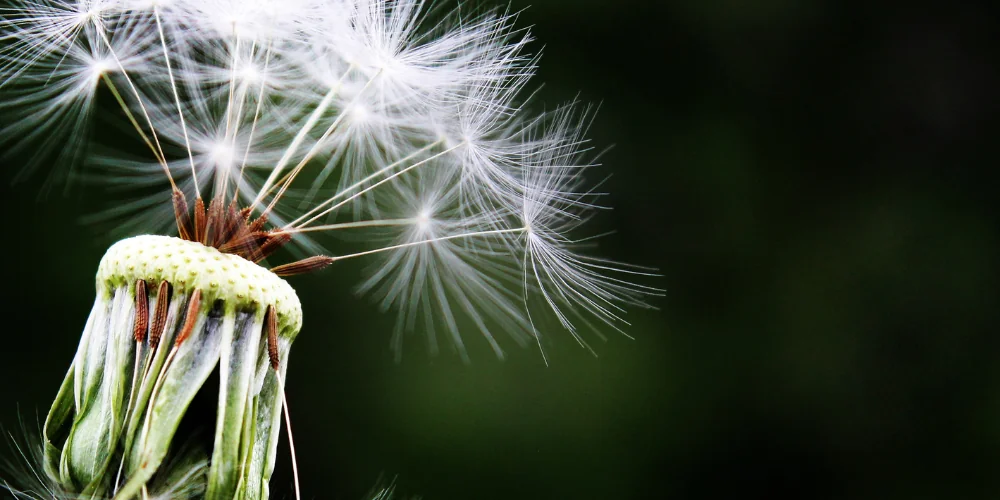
(114, 420)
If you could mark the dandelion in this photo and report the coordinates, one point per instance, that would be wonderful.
(271, 125)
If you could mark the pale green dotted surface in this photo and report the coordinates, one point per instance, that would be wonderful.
(189, 265)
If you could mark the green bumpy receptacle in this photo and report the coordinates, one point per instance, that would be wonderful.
(188, 265)
(112, 430)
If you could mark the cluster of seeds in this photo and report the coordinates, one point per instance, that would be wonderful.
(285, 122)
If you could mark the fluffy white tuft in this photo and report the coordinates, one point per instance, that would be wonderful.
(393, 118)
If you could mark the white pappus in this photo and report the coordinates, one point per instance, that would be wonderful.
(400, 118)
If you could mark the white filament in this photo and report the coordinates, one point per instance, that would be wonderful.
(411, 123)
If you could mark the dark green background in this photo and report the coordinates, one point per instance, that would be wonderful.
(812, 178)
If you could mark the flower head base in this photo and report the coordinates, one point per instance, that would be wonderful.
(168, 313)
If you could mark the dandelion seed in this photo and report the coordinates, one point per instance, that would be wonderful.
(271, 125)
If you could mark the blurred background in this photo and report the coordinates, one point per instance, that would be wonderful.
(812, 180)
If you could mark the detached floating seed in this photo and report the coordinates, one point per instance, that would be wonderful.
(168, 313)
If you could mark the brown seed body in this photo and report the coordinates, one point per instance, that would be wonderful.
(160, 314)
(194, 304)
(307, 265)
(271, 328)
(182, 215)
(141, 311)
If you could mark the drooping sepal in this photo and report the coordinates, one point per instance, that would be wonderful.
(112, 431)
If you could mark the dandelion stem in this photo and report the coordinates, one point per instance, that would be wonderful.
(433, 240)
(365, 180)
(348, 225)
(315, 147)
(135, 92)
(383, 181)
(301, 135)
(231, 124)
(232, 81)
(142, 133)
(253, 124)
(177, 99)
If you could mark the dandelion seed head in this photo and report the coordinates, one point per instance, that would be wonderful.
(410, 125)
